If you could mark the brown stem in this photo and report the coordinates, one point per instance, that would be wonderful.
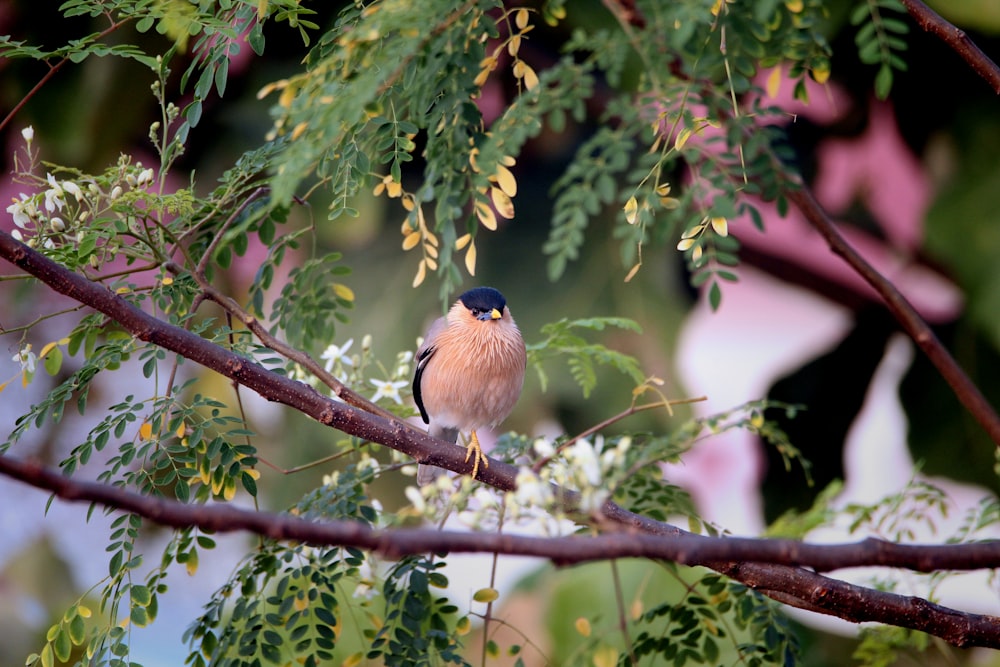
(956, 38)
(965, 390)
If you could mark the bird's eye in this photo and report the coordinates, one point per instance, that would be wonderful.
(476, 312)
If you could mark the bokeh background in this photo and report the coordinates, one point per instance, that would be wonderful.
(915, 181)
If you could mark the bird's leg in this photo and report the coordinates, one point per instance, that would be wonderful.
(473, 446)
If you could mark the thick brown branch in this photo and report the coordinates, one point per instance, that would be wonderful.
(729, 555)
(792, 585)
(956, 38)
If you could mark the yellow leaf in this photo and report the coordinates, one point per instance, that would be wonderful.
(606, 656)
(530, 78)
(774, 82)
(407, 202)
(582, 626)
(462, 241)
(685, 244)
(252, 472)
(663, 190)
(431, 250)
(631, 210)
(519, 67)
(502, 203)
(463, 626)
(506, 181)
(631, 274)
(431, 264)
(696, 254)
(229, 489)
(481, 78)
(146, 431)
(521, 18)
(682, 138)
(83, 611)
(485, 215)
(122, 290)
(821, 74)
(45, 350)
(192, 563)
(694, 231)
(514, 45)
(343, 291)
(470, 259)
(508, 161)
(167, 280)
(394, 189)
(485, 595)
(636, 609)
(301, 603)
(299, 129)
(181, 430)
(4, 385)
(353, 660)
(411, 240)
(794, 6)
(721, 226)
(421, 274)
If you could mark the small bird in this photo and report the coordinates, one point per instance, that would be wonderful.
(470, 370)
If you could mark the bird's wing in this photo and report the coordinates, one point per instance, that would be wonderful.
(424, 353)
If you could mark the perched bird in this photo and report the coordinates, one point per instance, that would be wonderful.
(470, 370)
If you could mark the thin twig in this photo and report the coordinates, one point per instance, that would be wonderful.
(965, 390)
(956, 38)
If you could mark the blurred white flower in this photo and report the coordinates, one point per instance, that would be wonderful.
(583, 457)
(145, 177)
(73, 189)
(26, 358)
(416, 499)
(333, 354)
(388, 389)
(54, 196)
(22, 211)
(28, 133)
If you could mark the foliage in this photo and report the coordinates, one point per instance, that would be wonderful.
(388, 104)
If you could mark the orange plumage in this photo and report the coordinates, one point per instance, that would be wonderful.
(470, 370)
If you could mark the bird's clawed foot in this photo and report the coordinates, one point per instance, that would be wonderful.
(473, 446)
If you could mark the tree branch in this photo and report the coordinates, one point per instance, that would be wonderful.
(788, 584)
(956, 38)
(965, 390)
(729, 555)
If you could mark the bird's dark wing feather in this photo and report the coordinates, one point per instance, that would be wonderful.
(423, 356)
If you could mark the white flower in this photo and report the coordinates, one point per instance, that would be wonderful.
(116, 192)
(16, 233)
(544, 448)
(416, 499)
(28, 133)
(73, 189)
(57, 224)
(388, 389)
(54, 195)
(26, 358)
(333, 354)
(22, 210)
(583, 457)
(531, 489)
(145, 176)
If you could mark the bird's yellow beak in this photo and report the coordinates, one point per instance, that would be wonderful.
(495, 314)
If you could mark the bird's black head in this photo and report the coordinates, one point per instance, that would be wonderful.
(483, 300)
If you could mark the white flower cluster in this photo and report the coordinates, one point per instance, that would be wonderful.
(349, 369)
(58, 213)
(588, 467)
